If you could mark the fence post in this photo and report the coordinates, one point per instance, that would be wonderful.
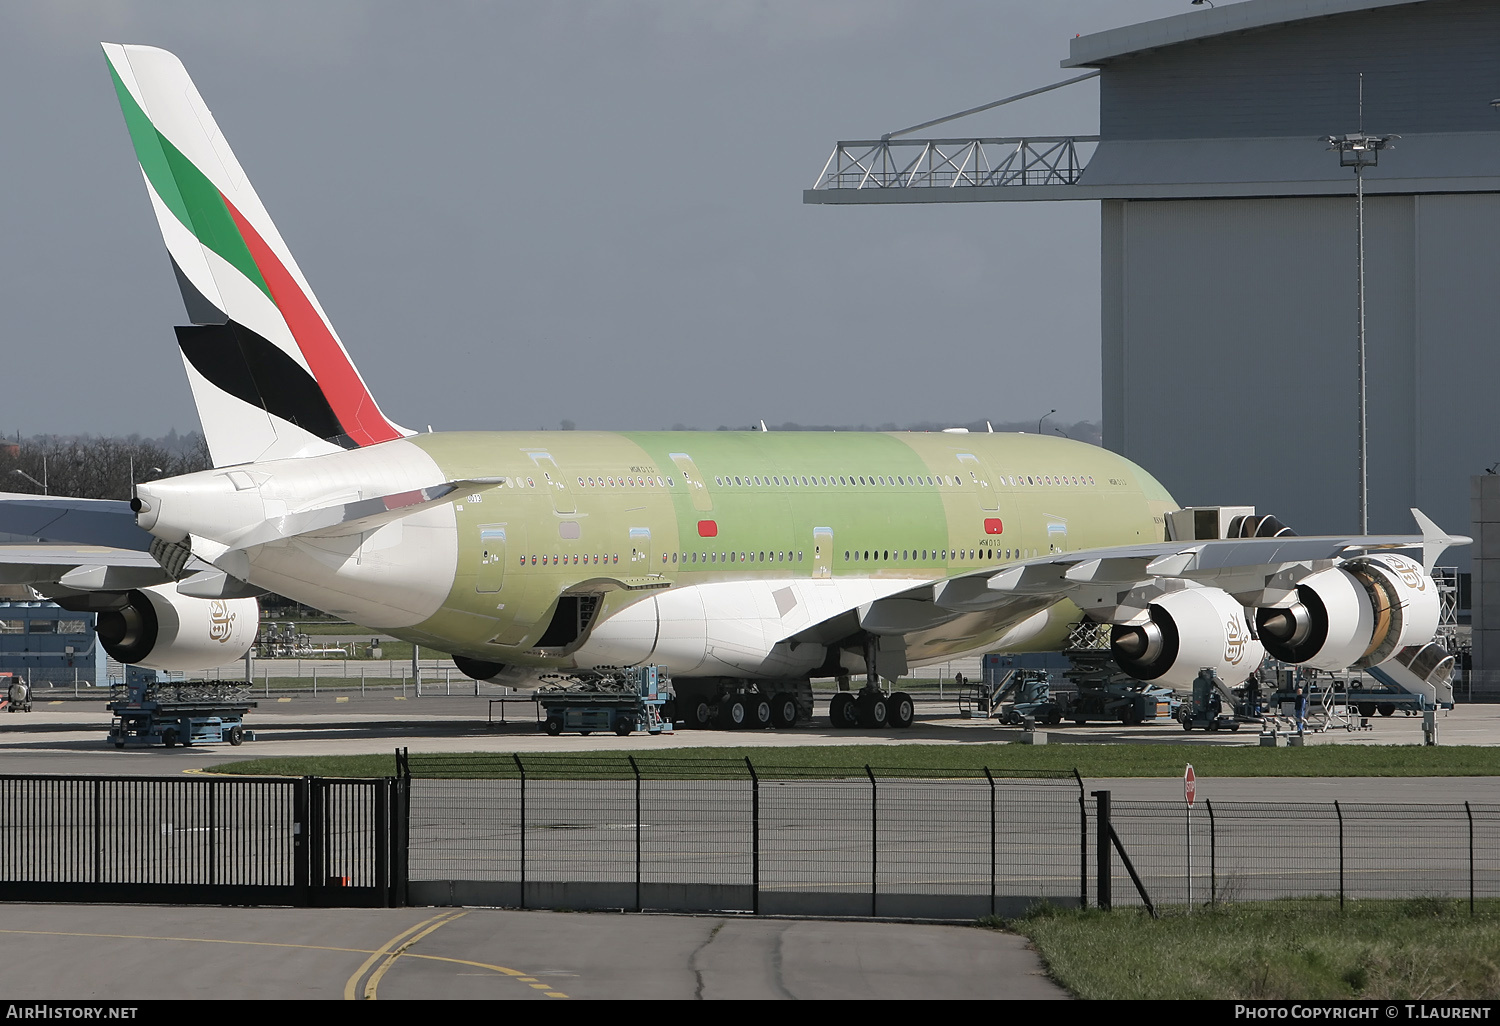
(874, 838)
(1083, 845)
(991, 779)
(1340, 813)
(522, 770)
(1213, 855)
(213, 832)
(1470, 813)
(382, 794)
(99, 833)
(300, 831)
(1101, 816)
(636, 770)
(754, 838)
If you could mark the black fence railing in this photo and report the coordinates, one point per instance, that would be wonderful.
(284, 841)
(616, 831)
(1248, 851)
(636, 832)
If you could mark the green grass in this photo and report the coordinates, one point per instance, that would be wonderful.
(1303, 949)
(1090, 760)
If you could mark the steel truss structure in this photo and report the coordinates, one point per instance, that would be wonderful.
(898, 165)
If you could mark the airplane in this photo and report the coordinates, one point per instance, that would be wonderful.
(747, 563)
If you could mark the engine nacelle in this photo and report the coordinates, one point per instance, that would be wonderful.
(1188, 630)
(1358, 614)
(162, 630)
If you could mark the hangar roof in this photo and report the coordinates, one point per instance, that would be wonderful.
(1100, 48)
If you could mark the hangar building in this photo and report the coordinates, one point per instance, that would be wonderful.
(1228, 264)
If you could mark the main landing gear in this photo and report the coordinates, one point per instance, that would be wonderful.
(872, 706)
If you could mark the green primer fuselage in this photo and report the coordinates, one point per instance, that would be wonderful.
(642, 510)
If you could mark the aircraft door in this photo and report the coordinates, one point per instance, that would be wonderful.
(822, 552)
(492, 560)
(557, 484)
(640, 550)
(696, 486)
(979, 479)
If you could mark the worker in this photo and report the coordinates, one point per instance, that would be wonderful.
(1301, 707)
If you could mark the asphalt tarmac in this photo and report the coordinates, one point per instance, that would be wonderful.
(155, 952)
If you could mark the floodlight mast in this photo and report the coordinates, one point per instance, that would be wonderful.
(1360, 151)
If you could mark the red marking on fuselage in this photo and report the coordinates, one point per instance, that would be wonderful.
(708, 529)
(351, 402)
(992, 525)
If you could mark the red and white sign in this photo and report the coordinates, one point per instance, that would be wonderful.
(1189, 785)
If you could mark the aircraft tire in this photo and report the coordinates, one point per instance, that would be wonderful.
(902, 712)
(700, 715)
(758, 712)
(841, 711)
(1386, 709)
(733, 715)
(784, 711)
(872, 710)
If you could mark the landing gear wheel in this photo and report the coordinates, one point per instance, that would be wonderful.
(784, 711)
(553, 726)
(758, 709)
(623, 727)
(700, 715)
(236, 736)
(733, 715)
(872, 710)
(1386, 709)
(1366, 709)
(901, 710)
(841, 711)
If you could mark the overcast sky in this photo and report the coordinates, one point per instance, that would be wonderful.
(520, 213)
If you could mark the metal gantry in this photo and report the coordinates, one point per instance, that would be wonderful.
(895, 164)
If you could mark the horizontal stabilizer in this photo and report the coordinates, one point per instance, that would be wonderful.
(108, 522)
(342, 519)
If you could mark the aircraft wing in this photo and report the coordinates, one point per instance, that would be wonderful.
(1118, 584)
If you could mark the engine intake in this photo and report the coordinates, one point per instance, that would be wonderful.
(1356, 615)
(1188, 631)
(162, 630)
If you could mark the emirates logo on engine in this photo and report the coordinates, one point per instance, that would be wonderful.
(220, 621)
(1235, 637)
(1409, 573)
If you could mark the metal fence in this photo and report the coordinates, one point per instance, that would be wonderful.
(1250, 851)
(287, 841)
(624, 833)
(603, 830)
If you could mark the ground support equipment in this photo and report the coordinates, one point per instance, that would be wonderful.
(187, 713)
(608, 698)
(1104, 692)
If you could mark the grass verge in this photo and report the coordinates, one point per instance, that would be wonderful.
(1304, 949)
(1090, 760)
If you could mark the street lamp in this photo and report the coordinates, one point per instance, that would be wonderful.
(33, 480)
(1360, 151)
(1042, 418)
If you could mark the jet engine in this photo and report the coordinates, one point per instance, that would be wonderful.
(162, 630)
(1358, 614)
(1188, 630)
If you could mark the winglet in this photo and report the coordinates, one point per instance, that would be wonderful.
(1434, 541)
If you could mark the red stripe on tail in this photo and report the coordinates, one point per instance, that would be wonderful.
(336, 376)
